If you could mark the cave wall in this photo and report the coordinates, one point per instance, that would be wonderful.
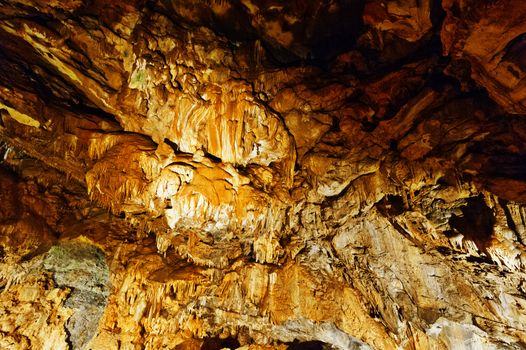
(259, 174)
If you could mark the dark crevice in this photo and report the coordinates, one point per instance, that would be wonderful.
(87, 108)
(213, 158)
(391, 205)
(475, 223)
(483, 259)
(216, 343)
(446, 251)
(68, 338)
(437, 16)
(308, 345)
(173, 145)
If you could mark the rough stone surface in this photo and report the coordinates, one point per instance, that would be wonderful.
(81, 268)
(262, 175)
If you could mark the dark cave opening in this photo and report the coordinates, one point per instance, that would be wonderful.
(476, 221)
(391, 205)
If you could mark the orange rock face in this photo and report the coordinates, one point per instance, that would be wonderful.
(262, 175)
(491, 39)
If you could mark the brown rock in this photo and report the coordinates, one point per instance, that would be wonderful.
(491, 38)
(262, 175)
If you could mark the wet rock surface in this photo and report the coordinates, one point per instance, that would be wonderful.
(260, 175)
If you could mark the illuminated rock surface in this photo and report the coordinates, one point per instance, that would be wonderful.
(262, 175)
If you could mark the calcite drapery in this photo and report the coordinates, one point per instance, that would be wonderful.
(226, 173)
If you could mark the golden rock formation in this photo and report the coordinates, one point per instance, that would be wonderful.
(262, 174)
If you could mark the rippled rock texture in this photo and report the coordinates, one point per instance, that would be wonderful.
(262, 174)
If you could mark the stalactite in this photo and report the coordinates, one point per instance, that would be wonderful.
(259, 175)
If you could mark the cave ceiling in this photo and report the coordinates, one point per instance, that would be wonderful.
(257, 174)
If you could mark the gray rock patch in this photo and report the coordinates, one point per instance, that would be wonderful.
(82, 268)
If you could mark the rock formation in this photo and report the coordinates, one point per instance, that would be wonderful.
(262, 174)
